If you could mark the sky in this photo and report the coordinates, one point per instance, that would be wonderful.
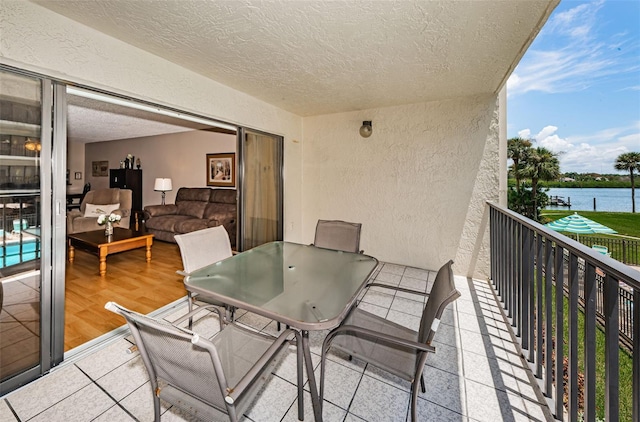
(576, 91)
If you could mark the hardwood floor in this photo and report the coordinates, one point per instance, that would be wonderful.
(130, 281)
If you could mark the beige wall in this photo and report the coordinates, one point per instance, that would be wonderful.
(75, 163)
(418, 184)
(178, 156)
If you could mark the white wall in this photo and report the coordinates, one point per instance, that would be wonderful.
(418, 184)
(178, 156)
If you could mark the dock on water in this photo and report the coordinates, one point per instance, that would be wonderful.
(559, 201)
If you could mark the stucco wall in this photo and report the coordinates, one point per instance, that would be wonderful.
(178, 156)
(418, 184)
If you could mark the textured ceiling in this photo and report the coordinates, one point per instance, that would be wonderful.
(90, 120)
(316, 57)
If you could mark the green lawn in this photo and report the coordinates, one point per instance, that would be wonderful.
(625, 223)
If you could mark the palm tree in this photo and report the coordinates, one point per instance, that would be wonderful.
(629, 161)
(541, 164)
(518, 150)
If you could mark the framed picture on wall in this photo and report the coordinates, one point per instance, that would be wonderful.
(221, 170)
(100, 168)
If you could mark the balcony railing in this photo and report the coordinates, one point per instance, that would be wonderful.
(19, 230)
(548, 284)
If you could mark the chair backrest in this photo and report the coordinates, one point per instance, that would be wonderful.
(86, 188)
(203, 247)
(338, 235)
(169, 354)
(442, 294)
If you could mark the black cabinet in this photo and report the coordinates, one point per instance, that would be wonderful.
(128, 179)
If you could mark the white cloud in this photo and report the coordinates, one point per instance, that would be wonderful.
(524, 134)
(595, 152)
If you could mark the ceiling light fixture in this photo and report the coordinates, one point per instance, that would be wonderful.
(366, 130)
(138, 106)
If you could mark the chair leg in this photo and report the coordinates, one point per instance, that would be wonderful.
(278, 325)
(300, 360)
(422, 387)
(414, 401)
(190, 307)
(156, 408)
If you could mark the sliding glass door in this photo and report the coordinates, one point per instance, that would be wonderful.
(27, 316)
(261, 188)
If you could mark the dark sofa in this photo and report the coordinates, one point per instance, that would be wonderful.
(194, 209)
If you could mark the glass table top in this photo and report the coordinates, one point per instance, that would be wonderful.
(303, 286)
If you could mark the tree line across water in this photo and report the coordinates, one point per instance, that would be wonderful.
(534, 168)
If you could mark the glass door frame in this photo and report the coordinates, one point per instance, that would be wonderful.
(52, 163)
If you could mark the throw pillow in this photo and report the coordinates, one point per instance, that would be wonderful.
(92, 210)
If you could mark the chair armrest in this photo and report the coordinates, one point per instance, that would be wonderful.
(397, 288)
(72, 215)
(158, 210)
(123, 212)
(378, 335)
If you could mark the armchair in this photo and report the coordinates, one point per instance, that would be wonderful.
(83, 220)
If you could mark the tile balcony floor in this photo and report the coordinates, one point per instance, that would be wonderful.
(476, 373)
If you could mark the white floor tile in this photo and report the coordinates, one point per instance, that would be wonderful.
(475, 374)
(47, 391)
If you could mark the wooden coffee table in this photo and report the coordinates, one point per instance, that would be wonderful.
(97, 243)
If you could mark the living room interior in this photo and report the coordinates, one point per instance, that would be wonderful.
(167, 147)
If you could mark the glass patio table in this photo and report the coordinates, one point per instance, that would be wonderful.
(303, 286)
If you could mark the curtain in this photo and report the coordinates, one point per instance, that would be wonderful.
(262, 178)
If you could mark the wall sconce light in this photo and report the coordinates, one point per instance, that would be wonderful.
(162, 185)
(366, 130)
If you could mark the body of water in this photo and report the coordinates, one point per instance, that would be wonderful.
(607, 199)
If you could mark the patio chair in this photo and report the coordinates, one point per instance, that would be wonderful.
(390, 346)
(211, 379)
(338, 235)
(199, 249)
(602, 249)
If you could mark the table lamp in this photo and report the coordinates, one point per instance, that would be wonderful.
(162, 185)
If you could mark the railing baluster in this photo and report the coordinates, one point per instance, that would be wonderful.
(548, 316)
(636, 356)
(590, 342)
(524, 294)
(573, 338)
(559, 346)
(612, 349)
(538, 305)
(530, 315)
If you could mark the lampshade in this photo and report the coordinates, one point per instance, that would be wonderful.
(366, 129)
(162, 185)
